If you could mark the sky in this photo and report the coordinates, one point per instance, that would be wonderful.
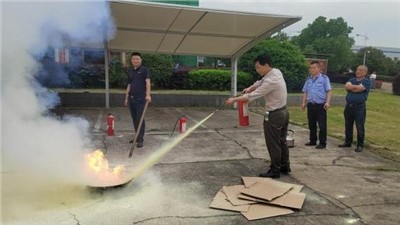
(378, 20)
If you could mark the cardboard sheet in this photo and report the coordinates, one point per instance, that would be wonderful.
(248, 181)
(260, 211)
(232, 193)
(266, 191)
(290, 200)
(220, 202)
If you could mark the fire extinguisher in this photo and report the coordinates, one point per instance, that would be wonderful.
(243, 113)
(110, 125)
(182, 124)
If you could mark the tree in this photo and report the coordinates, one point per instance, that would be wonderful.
(160, 66)
(375, 60)
(285, 56)
(328, 37)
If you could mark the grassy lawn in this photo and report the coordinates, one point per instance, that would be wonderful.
(382, 123)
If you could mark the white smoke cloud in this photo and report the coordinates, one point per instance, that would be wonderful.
(34, 143)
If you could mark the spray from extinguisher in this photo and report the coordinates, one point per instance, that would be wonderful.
(110, 125)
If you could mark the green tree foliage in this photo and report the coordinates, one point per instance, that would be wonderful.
(285, 56)
(117, 74)
(328, 37)
(161, 67)
(376, 61)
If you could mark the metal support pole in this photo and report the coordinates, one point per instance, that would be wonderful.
(234, 62)
(106, 67)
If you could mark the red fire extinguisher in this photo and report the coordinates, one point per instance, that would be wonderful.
(110, 125)
(243, 113)
(182, 124)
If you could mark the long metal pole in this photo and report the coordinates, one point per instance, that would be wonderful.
(106, 67)
(234, 62)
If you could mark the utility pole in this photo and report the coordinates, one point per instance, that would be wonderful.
(365, 46)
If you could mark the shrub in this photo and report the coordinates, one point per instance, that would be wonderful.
(396, 84)
(340, 79)
(117, 74)
(160, 67)
(214, 79)
(179, 79)
(385, 78)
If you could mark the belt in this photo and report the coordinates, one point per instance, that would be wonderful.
(313, 103)
(355, 104)
(136, 95)
(276, 110)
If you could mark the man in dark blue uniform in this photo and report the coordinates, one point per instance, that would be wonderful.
(355, 111)
(317, 96)
(137, 93)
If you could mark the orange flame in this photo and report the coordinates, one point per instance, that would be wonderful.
(97, 165)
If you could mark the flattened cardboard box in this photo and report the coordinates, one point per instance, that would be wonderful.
(266, 191)
(220, 202)
(260, 211)
(248, 181)
(291, 200)
(232, 195)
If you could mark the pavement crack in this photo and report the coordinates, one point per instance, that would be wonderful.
(183, 217)
(237, 142)
(341, 157)
(376, 204)
(329, 198)
(76, 219)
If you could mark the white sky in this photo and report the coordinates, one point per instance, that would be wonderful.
(379, 20)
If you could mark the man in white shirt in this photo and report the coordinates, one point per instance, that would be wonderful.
(272, 87)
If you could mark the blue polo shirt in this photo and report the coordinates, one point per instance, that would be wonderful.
(358, 97)
(316, 89)
(137, 79)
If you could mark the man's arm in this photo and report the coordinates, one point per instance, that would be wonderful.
(148, 90)
(328, 100)
(128, 89)
(354, 88)
(303, 104)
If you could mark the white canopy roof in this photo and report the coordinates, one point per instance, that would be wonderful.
(183, 30)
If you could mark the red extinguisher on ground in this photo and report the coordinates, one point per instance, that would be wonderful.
(110, 125)
(243, 108)
(182, 124)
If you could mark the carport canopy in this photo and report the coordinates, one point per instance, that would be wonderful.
(185, 30)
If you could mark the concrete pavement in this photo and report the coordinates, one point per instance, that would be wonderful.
(342, 187)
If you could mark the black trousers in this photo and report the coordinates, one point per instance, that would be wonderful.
(275, 131)
(355, 113)
(136, 108)
(317, 114)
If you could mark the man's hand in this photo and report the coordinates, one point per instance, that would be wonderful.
(148, 98)
(126, 102)
(303, 106)
(326, 106)
(230, 101)
(246, 90)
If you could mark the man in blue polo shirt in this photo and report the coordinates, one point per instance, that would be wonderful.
(355, 111)
(317, 96)
(137, 93)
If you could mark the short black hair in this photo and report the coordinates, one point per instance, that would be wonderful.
(136, 54)
(264, 59)
(314, 62)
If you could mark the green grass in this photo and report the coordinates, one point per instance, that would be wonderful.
(382, 123)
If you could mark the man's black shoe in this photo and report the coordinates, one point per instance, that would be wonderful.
(320, 147)
(345, 145)
(139, 144)
(270, 174)
(310, 144)
(286, 170)
(131, 141)
(359, 149)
